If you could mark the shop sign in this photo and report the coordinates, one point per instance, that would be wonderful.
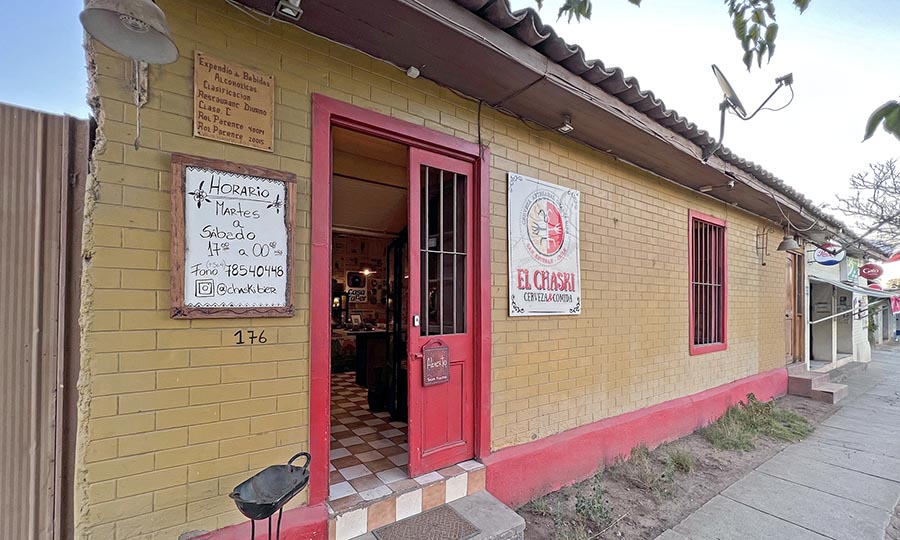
(871, 271)
(875, 287)
(233, 103)
(852, 270)
(232, 239)
(895, 304)
(829, 254)
(435, 365)
(544, 252)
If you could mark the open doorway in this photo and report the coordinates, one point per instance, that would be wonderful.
(435, 280)
(369, 450)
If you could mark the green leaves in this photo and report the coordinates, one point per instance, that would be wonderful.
(754, 25)
(575, 8)
(889, 113)
(801, 5)
(578, 9)
(753, 22)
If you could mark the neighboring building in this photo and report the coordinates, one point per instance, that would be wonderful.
(841, 308)
(398, 245)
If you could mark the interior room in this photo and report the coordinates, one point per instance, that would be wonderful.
(369, 450)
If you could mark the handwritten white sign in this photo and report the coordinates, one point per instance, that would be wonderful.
(236, 243)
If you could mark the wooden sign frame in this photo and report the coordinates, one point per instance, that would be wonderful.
(179, 311)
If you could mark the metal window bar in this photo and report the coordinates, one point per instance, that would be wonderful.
(708, 282)
(424, 250)
(444, 252)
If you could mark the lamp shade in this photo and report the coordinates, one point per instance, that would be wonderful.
(788, 244)
(133, 28)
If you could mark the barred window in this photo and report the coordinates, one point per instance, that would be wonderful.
(709, 284)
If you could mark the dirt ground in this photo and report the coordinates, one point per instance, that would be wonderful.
(636, 513)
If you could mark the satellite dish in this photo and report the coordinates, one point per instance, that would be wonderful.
(730, 95)
(733, 102)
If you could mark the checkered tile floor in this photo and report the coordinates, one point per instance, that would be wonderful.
(369, 453)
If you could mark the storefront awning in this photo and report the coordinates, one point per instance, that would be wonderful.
(852, 288)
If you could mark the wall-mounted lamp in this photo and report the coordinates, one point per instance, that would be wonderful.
(290, 9)
(134, 28)
(706, 189)
(566, 126)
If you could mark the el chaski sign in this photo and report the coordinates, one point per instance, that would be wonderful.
(544, 254)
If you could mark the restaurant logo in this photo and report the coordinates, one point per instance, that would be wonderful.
(544, 266)
(544, 223)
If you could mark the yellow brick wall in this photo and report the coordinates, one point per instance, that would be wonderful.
(173, 414)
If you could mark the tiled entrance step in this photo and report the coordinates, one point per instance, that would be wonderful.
(409, 498)
(814, 385)
(493, 519)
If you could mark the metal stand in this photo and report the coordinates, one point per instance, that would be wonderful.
(277, 527)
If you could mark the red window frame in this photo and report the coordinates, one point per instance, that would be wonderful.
(707, 284)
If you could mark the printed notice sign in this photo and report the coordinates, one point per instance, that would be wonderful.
(232, 231)
(544, 265)
(233, 103)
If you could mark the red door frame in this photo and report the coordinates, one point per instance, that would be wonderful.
(328, 113)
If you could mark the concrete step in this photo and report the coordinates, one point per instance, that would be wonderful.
(829, 392)
(803, 383)
(796, 367)
(495, 520)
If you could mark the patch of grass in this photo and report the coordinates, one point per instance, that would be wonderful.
(572, 530)
(681, 459)
(742, 423)
(591, 504)
(540, 507)
(646, 472)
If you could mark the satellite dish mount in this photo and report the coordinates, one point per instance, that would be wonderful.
(731, 101)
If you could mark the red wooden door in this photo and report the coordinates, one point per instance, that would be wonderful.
(441, 275)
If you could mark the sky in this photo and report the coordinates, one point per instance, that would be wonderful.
(843, 56)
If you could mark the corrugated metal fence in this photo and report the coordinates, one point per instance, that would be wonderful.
(43, 163)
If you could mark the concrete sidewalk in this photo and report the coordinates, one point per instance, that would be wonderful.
(842, 483)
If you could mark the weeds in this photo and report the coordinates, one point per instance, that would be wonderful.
(540, 507)
(742, 423)
(573, 530)
(648, 473)
(681, 459)
(591, 504)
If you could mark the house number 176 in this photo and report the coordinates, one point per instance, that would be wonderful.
(252, 337)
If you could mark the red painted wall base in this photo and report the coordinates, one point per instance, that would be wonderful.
(304, 523)
(519, 474)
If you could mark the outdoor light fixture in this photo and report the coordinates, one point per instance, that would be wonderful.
(290, 9)
(731, 101)
(706, 189)
(789, 243)
(566, 126)
(133, 28)
(413, 72)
